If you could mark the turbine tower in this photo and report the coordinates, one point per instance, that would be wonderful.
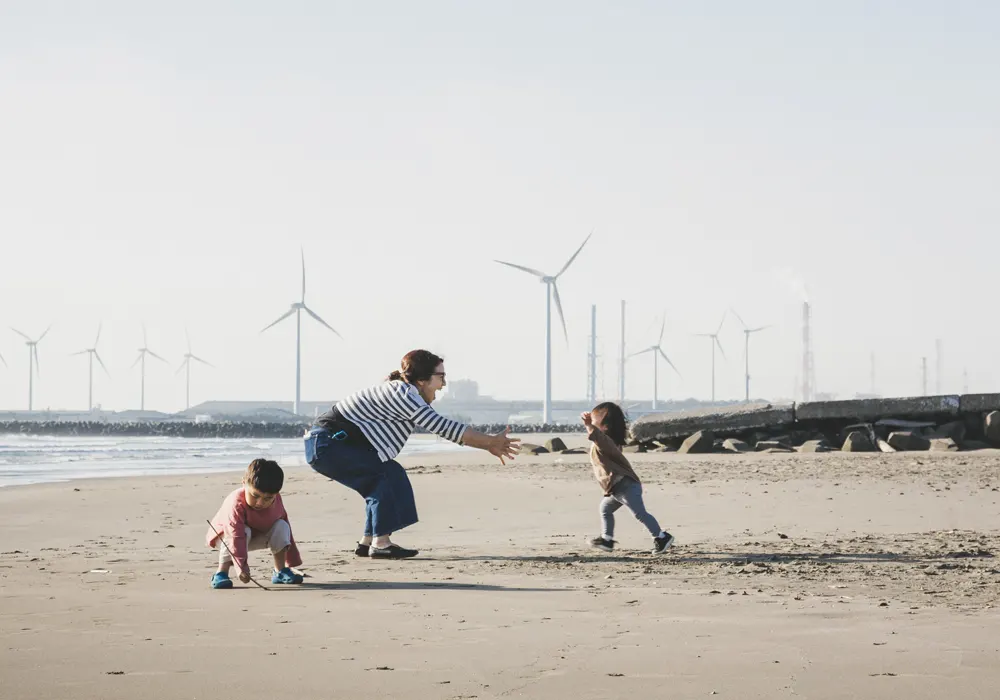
(141, 360)
(186, 365)
(551, 290)
(90, 368)
(715, 343)
(658, 352)
(297, 308)
(33, 366)
(747, 332)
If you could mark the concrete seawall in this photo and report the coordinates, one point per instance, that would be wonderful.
(827, 419)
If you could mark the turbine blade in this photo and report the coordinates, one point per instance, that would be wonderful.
(137, 359)
(562, 319)
(182, 366)
(720, 348)
(99, 325)
(101, 363)
(44, 334)
(156, 356)
(280, 319)
(21, 334)
(302, 253)
(315, 316)
(38, 367)
(664, 356)
(536, 273)
(641, 352)
(3, 360)
(570, 261)
(204, 362)
(82, 352)
(738, 317)
(754, 330)
(720, 324)
(663, 327)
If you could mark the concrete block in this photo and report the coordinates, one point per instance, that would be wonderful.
(875, 409)
(723, 422)
(979, 403)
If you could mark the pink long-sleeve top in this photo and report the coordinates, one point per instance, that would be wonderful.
(235, 516)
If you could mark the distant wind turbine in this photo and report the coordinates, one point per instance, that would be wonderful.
(33, 365)
(551, 290)
(90, 368)
(141, 359)
(297, 308)
(657, 351)
(715, 344)
(186, 365)
(747, 332)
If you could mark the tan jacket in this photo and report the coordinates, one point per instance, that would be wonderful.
(610, 465)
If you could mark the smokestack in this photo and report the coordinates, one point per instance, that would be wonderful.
(621, 362)
(807, 363)
(937, 366)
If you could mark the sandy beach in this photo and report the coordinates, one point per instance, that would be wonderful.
(816, 576)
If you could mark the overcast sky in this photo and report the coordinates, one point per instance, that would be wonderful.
(165, 167)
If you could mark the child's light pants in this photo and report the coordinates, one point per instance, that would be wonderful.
(276, 539)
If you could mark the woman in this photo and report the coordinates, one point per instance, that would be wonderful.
(356, 443)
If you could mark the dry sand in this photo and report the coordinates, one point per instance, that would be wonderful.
(816, 576)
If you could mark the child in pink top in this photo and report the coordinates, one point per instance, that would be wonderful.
(253, 517)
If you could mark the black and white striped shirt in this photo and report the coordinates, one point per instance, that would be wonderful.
(388, 413)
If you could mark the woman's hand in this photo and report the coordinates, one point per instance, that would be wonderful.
(503, 446)
(587, 421)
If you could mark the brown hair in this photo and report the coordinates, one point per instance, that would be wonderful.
(265, 475)
(416, 366)
(615, 423)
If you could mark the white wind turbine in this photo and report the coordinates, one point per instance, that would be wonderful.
(658, 352)
(143, 351)
(715, 344)
(551, 290)
(90, 369)
(747, 332)
(33, 366)
(297, 309)
(186, 365)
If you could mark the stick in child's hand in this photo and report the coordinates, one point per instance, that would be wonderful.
(223, 541)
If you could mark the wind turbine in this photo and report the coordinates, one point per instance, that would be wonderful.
(657, 351)
(747, 332)
(186, 365)
(90, 371)
(33, 366)
(297, 308)
(143, 351)
(551, 290)
(715, 343)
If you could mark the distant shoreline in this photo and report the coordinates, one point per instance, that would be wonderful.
(213, 429)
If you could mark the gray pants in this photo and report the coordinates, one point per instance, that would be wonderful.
(278, 538)
(627, 492)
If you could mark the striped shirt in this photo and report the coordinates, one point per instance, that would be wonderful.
(388, 413)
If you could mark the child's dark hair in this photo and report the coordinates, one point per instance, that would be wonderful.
(615, 423)
(265, 475)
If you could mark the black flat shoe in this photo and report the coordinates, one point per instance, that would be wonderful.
(393, 551)
(361, 550)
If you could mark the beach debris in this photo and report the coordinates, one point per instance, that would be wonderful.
(700, 442)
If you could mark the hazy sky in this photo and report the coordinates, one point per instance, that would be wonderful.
(165, 166)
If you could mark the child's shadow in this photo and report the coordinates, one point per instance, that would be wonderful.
(406, 586)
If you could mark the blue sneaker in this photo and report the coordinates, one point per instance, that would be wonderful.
(286, 575)
(221, 580)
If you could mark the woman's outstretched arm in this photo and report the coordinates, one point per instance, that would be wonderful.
(499, 445)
